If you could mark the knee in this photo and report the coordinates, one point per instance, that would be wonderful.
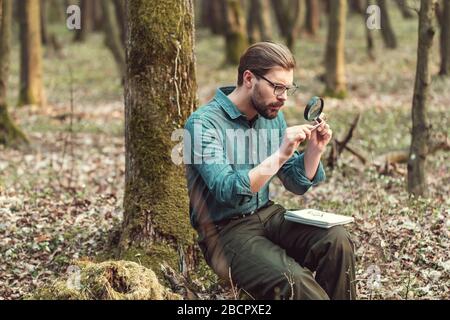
(340, 241)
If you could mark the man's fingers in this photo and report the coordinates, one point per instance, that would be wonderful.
(324, 130)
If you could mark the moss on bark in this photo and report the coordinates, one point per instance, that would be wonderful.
(160, 93)
(10, 134)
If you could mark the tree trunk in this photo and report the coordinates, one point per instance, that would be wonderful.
(31, 90)
(96, 15)
(86, 7)
(236, 41)
(56, 11)
(120, 16)
(258, 23)
(216, 21)
(112, 36)
(369, 34)
(287, 13)
(420, 128)
(356, 6)
(312, 16)
(445, 39)
(160, 93)
(387, 32)
(44, 33)
(335, 52)
(10, 135)
(403, 6)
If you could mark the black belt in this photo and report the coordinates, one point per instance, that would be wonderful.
(223, 222)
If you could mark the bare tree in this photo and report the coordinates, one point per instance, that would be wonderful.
(444, 17)
(403, 6)
(31, 88)
(335, 51)
(235, 31)
(10, 135)
(86, 7)
(258, 22)
(112, 35)
(387, 31)
(287, 13)
(312, 18)
(420, 128)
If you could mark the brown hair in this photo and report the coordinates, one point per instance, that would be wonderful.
(263, 56)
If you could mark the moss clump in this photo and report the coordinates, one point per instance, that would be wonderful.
(340, 94)
(10, 135)
(109, 280)
(153, 256)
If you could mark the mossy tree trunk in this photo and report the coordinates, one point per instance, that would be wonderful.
(335, 51)
(259, 26)
(236, 40)
(160, 93)
(287, 13)
(31, 88)
(112, 35)
(420, 128)
(445, 39)
(10, 135)
(387, 32)
(312, 17)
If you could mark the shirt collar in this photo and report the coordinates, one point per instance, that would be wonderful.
(229, 107)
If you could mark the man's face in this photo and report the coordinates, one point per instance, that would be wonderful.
(263, 99)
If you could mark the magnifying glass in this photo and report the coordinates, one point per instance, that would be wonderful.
(313, 111)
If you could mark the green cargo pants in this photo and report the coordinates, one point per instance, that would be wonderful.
(270, 257)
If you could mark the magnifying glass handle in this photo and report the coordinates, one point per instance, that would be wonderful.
(317, 125)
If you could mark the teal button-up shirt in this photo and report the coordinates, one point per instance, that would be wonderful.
(221, 146)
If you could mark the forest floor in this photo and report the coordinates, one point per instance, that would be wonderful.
(60, 200)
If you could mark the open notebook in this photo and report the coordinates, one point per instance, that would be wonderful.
(317, 218)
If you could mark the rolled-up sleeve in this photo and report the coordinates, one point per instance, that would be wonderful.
(207, 155)
(293, 175)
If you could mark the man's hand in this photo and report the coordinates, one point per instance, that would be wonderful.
(293, 136)
(320, 137)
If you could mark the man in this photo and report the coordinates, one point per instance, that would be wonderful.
(242, 234)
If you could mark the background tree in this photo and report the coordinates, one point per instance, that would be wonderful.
(31, 88)
(86, 7)
(369, 34)
(312, 18)
(389, 38)
(444, 19)
(10, 135)
(420, 128)
(356, 6)
(120, 16)
(44, 31)
(112, 35)
(405, 10)
(236, 41)
(258, 23)
(160, 93)
(287, 13)
(335, 52)
(212, 16)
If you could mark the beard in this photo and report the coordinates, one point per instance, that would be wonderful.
(266, 110)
